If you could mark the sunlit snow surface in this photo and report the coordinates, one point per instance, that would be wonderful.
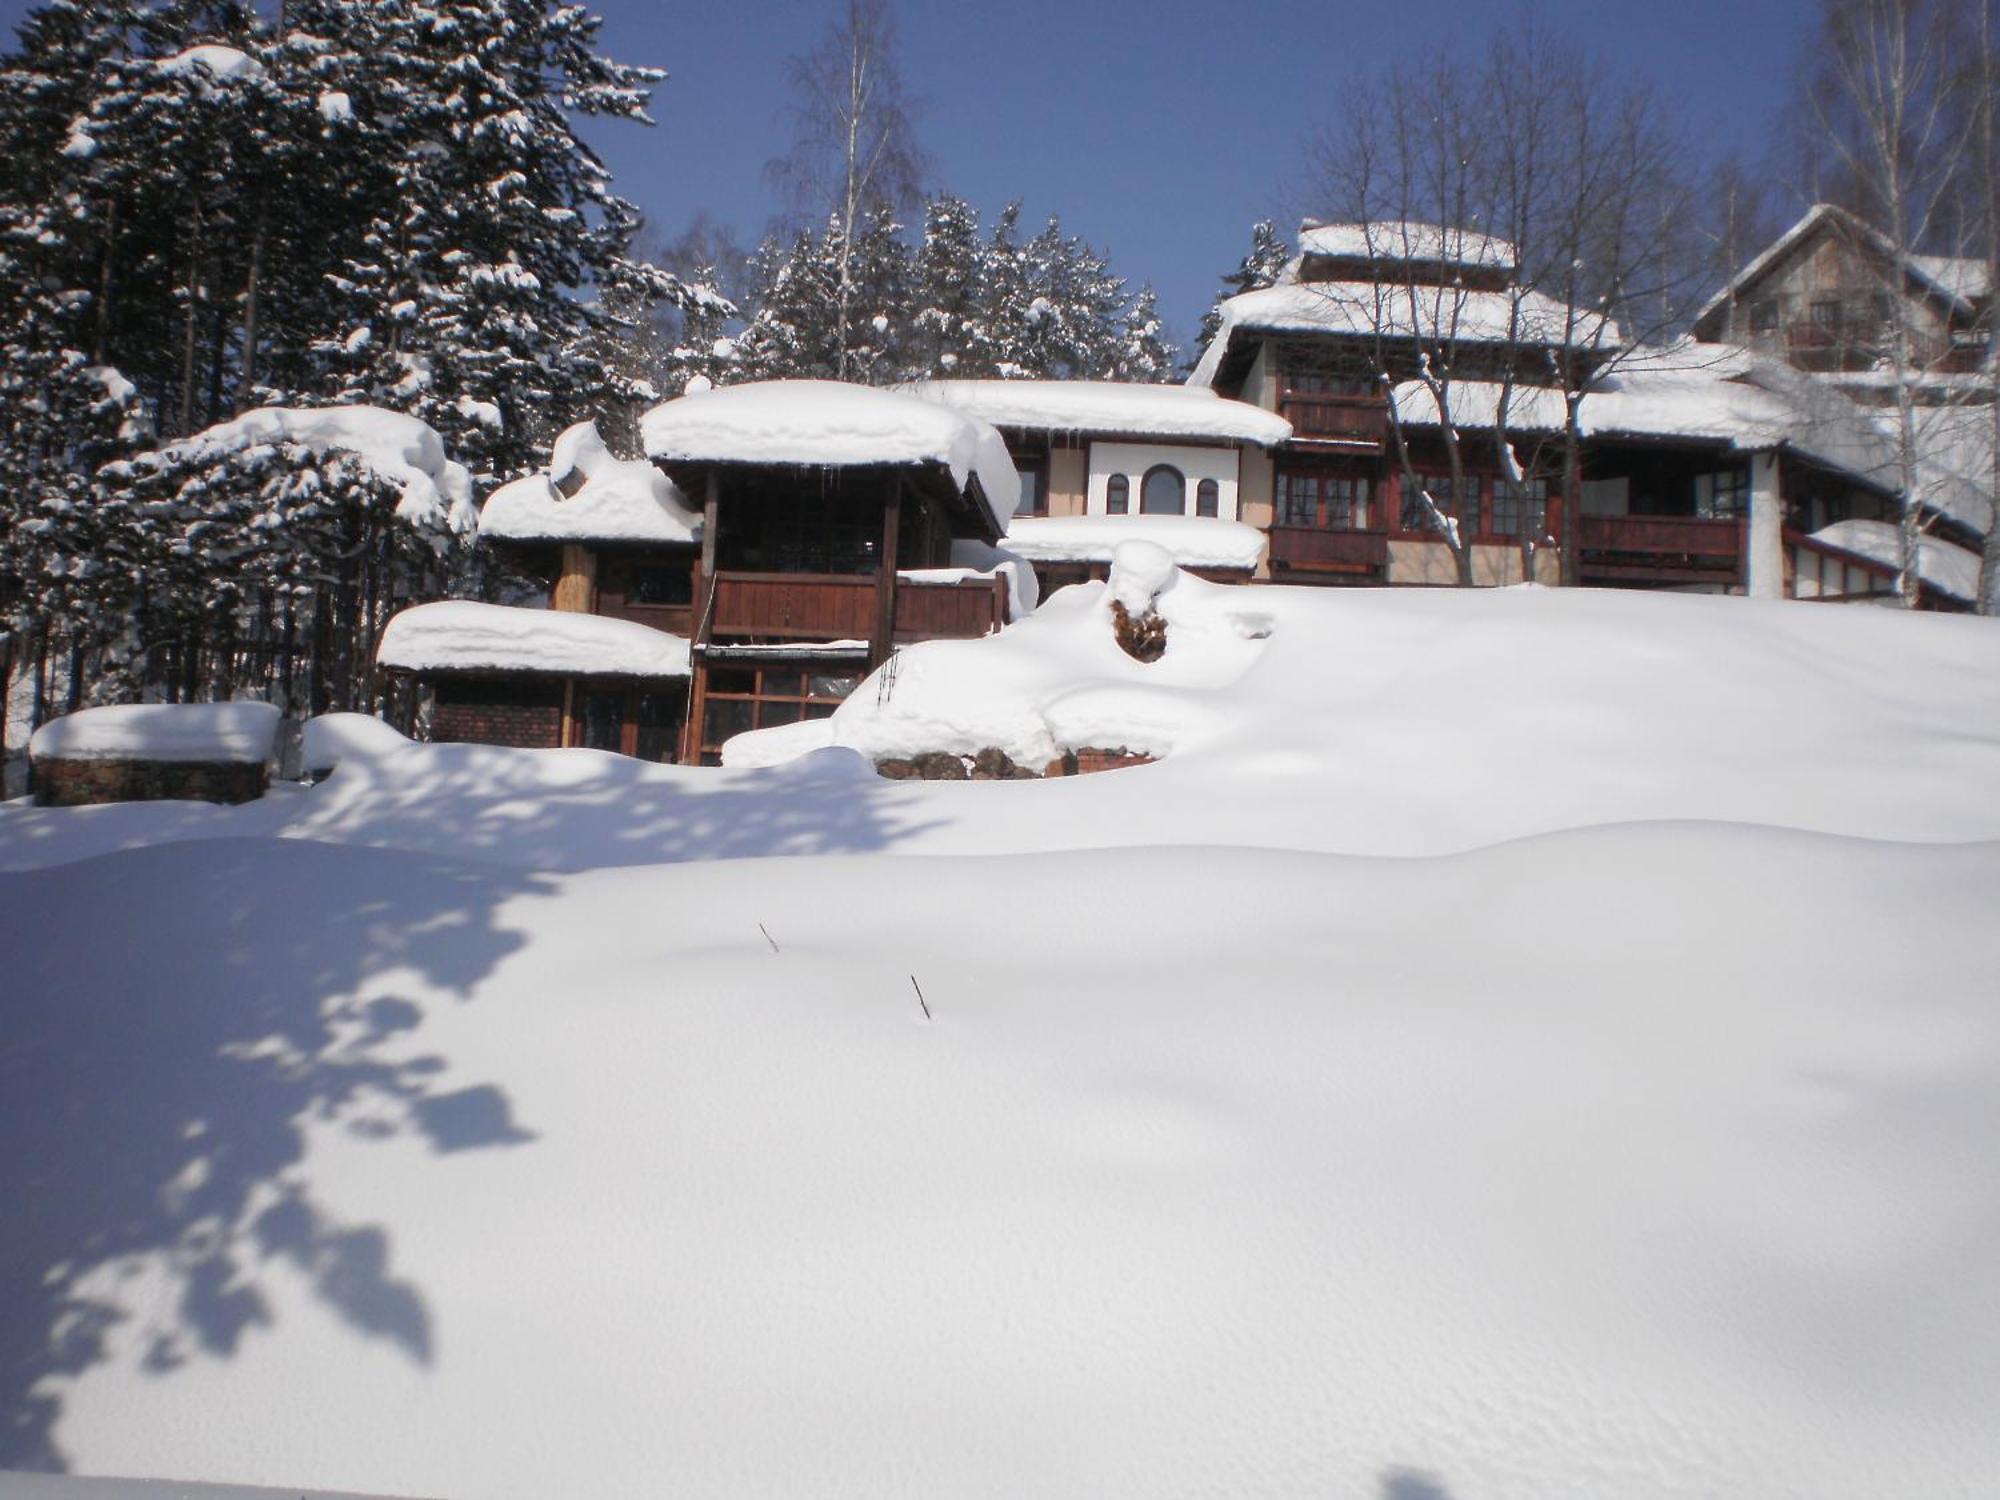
(1529, 1044)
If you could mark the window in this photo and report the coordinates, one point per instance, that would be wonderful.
(1034, 493)
(1416, 516)
(1334, 502)
(1826, 316)
(1164, 492)
(746, 698)
(1764, 316)
(1723, 495)
(603, 717)
(662, 583)
(1521, 509)
(1207, 498)
(1117, 495)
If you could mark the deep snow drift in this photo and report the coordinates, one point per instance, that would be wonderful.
(519, 1155)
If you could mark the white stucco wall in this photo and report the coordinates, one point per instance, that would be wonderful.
(1134, 459)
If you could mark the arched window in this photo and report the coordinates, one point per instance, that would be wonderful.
(1207, 498)
(1164, 493)
(1117, 495)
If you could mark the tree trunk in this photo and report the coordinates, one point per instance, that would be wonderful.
(189, 338)
(246, 383)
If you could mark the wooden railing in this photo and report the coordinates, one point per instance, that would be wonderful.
(793, 606)
(809, 607)
(1660, 549)
(1313, 549)
(1336, 419)
(950, 611)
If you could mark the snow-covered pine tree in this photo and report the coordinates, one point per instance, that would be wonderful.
(1258, 269)
(947, 334)
(1147, 355)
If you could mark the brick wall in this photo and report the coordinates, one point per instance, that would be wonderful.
(79, 783)
(526, 715)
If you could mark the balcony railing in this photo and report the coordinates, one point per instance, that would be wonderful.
(1336, 419)
(1660, 549)
(793, 606)
(820, 607)
(1314, 549)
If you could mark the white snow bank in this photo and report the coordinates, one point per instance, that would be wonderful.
(461, 635)
(1945, 566)
(1108, 408)
(619, 500)
(757, 749)
(1193, 541)
(826, 423)
(398, 448)
(232, 732)
(223, 63)
(1652, 1163)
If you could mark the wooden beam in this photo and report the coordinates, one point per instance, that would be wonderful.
(882, 640)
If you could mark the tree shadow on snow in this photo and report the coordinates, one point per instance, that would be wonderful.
(1412, 1484)
(174, 1021)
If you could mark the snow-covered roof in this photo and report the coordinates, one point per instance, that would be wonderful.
(226, 64)
(236, 733)
(1192, 541)
(396, 447)
(460, 635)
(1954, 278)
(1944, 566)
(620, 499)
(1718, 393)
(830, 424)
(1108, 408)
(1393, 240)
(1367, 309)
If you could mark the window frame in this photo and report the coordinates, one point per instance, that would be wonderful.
(1117, 495)
(1146, 484)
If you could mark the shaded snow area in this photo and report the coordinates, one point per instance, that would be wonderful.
(237, 733)
(462, 635)
(608, 499)
(1108, 408)
(1945, 566)
(1529, 1044)
(399, 448)
(1194, 541)
(828, 424)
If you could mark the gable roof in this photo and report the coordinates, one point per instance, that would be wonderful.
(1956, 279)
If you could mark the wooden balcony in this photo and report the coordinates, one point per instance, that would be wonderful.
(802, 607)
(949, 611)
(1314, 549)
(812, 608)
(1660, 549)
(1350, 421)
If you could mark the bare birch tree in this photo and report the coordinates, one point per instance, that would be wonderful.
(1895, 148)
(855, 149)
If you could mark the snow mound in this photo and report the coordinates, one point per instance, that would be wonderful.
(1192, 541)
(331, 739)
(611, 500)
(1945, 566)
(400, 449)
(1108, 408)
(829, 424)
(462, 635)
(237, 733)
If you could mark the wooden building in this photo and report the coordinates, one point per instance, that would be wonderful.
(1703, 464)
(837, 523)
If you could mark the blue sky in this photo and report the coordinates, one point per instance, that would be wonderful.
(1160, 131)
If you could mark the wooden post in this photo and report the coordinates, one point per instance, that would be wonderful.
(884, 638)
(709, 507)
(576, 585)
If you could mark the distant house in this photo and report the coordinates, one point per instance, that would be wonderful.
(1823, 296)
(1705, 467)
